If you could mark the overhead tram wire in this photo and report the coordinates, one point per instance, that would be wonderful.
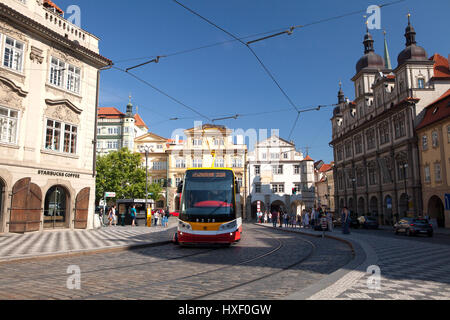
(278, 32)
(251, 50)
(163, 93)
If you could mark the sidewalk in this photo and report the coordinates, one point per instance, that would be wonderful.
(410, 270)
(14, 247)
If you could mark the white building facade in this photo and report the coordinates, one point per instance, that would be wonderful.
(280, 178)
(49, 75)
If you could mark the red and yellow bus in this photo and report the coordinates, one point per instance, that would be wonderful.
(210, 210)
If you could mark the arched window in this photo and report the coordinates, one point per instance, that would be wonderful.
(56, 208)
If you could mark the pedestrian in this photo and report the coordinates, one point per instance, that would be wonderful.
(156, 217)
(100, 214)
(330, 221)
(345, 221)
(274, 219)
(133, 216)
(110, 217)
(280, 218)
(114, 214)
(306, 220)
(270, 217)
(266, 218)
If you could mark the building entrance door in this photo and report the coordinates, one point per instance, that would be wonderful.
(55, 210)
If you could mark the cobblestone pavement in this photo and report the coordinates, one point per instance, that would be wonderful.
(269, 264)
(411, 268)
(14, 246)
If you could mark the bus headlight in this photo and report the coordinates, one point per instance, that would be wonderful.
(228, 226)
(185, 226)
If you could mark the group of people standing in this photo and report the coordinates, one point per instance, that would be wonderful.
(159, 217)
(308, 219)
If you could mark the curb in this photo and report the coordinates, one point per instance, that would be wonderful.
(363, 256)
(85, 252)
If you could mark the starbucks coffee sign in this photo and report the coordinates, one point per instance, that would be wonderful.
(60, 174)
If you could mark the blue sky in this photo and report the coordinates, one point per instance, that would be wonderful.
(227, 79)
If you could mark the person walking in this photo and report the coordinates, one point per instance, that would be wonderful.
(330, 221)
(114, 215)
(274, 219)
(270, 217)
(306, 220)
(345, 221)
(110, 217)
(133, 216)
(266, 218)
(156, 218)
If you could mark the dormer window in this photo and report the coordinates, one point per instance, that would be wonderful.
(421, 83)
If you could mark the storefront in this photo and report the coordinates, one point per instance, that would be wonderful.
(124, 211)
(44, 200)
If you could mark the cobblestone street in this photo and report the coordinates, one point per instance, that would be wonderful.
(266, 264)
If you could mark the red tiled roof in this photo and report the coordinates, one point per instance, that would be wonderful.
(308, 158)
(49, 3)
(438, 110)
(326, 167)
(110, 112)
(139, 121)
(441, 67)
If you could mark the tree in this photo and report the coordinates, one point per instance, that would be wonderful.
(120, 172)
(155, 190)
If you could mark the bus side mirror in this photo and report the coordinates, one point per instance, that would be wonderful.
(180, 187)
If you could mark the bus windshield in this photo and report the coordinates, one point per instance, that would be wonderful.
(208, 194)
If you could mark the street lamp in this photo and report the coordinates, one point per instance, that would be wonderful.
(146, 150)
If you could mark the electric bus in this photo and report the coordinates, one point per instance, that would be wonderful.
(210, 210)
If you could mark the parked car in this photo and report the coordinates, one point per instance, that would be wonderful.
(368, 222)
(413, 226)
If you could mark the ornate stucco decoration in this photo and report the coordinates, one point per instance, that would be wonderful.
(63, 110)
(11, 95)
(7, 30)
(36, 55)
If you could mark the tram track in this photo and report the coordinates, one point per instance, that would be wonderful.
(112, 268)
(304, 259)
(278, 247)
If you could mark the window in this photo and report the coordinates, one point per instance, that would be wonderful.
(257, 188)
(358, 145)
(399, 126)
(113, 131)
(384, 133)
(112, 145)
(13, 57)
(434, 137)
(348, 149)
(70, 139)
(237, 163)
(340, 153)
(73, 79)
(286, 155)
(277, 188)
(421, 83)
(437, 171)
(239, 180)
(218, 142)
(198, 163)
(159, 146)
(372, 175)
(53, 137)
(8, 125)
(402, 172)
(425, 142)
(197, 142)
(220, 163)
(361, 177)
(297, 169)
(277, 170)
(99, 145)
(427, 174)
(297, 188)
(57, 72)
(177, 182)
(274, 156)
(257, 170)
(371, 139)
(180, 163)
(158, 165)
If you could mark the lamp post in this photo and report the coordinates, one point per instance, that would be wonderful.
(146, 150)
